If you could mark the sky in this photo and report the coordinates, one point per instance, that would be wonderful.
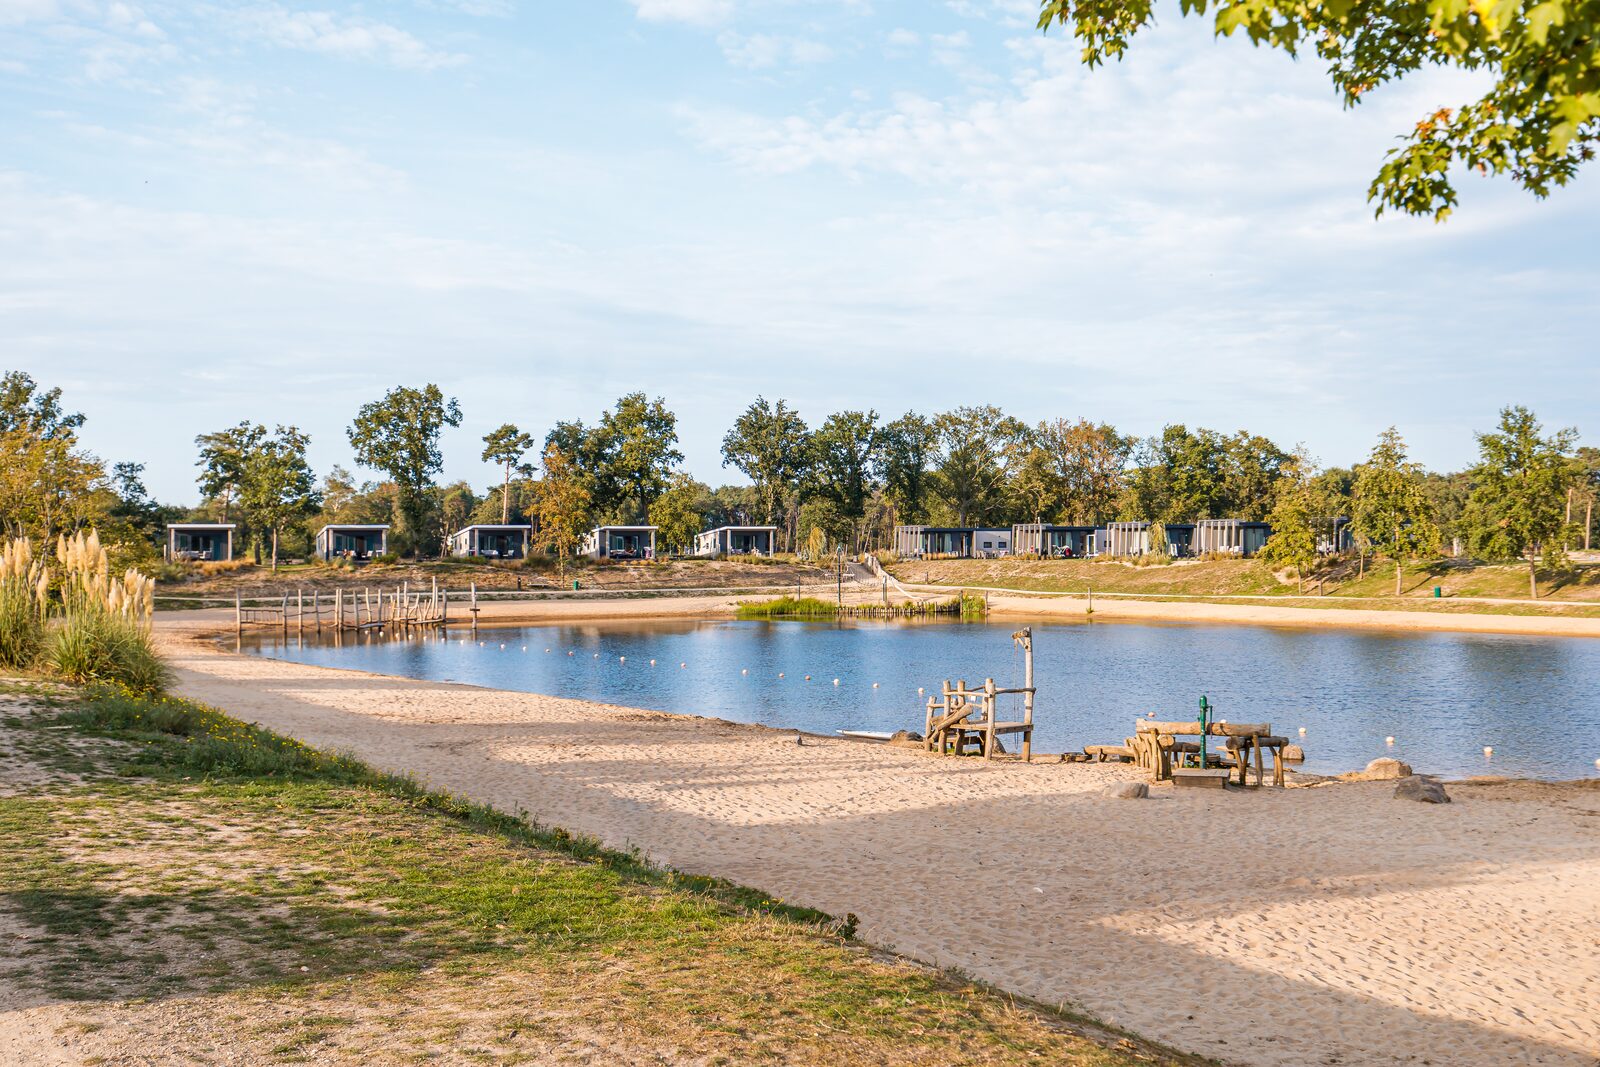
(275, 211)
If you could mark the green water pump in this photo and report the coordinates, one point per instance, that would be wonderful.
(1205, 728)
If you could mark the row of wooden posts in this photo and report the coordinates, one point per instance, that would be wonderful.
(353, 609)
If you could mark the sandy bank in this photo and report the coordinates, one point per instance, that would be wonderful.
(1298, 927)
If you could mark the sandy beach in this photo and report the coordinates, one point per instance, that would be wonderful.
(1322, 925)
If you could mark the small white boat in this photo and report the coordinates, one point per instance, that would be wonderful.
(866, 735)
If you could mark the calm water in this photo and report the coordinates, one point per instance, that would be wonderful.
(1442, 696)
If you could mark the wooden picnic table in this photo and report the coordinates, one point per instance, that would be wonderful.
(1156, 744)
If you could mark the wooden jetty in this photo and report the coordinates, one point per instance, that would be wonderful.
(347, 609)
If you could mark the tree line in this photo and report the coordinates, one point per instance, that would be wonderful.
(844, 482)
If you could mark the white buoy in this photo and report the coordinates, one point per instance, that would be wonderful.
(1302, 731)
(569, 652)
(597, 655)
(685, 666)
(652, 663)
(919, 690)
(745, 671)
(1488, 750)
(547, 650)
(874, 685)
(525, 648)
(1388, 740)
(502, 648)
(836, 681)
(1597, 763)
(808, 677)
(780, 674)
(622, 659)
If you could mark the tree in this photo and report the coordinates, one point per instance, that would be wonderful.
(1087, 462)
(909, 444)
(1538, 122)
(24, 409)
(1294, 538)
(676, 513)
(979, 446)
(561, 506)
(845, 459)
(223, 456)
(1252, 469)
(1519, 498)
(770, 444)
(399, 435)
(637, 447)
(505, 446)
(1392, 514)
(457, 502)
(48, 484)
(278, 488)
(1158, 540)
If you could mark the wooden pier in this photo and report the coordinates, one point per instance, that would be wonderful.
(346, 609)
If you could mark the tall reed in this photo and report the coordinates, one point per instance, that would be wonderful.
(24, 603)
(104, 633)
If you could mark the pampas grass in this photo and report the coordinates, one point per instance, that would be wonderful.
(104, 632)
(24, 601)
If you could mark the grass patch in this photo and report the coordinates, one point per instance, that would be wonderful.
(313, 908)
(788, 607)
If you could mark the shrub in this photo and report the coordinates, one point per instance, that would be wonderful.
(24, 597)
(98, 646)
(104, 633)
(386, 557)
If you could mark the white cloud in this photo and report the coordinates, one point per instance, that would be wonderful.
(338, 35)
(16, 12)
(697, 12)
(759, 51)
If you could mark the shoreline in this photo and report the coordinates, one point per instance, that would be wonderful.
(1504, 883)
(1042, 605)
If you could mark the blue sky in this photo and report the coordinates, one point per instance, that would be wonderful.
(275, 211)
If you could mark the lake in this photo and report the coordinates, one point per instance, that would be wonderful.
(1443, 697)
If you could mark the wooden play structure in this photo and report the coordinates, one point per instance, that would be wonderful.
(960, 718)
(1163, 748)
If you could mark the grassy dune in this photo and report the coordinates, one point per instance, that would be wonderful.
(1341, 586)
(176, 882)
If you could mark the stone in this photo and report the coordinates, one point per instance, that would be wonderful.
(906, 735)
(1126, 791)
(1422, 789)
(1385, 768)
(1294, 754)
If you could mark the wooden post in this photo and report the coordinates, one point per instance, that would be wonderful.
(1025, 637)
(989, 700)
(299, 612)
(238, 614)
(283, 615)
(473, 592)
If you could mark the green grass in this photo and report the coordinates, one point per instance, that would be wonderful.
(788, 607)
(304, 902)
(1572, 592)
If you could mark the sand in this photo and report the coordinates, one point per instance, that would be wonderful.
(1327, 925)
